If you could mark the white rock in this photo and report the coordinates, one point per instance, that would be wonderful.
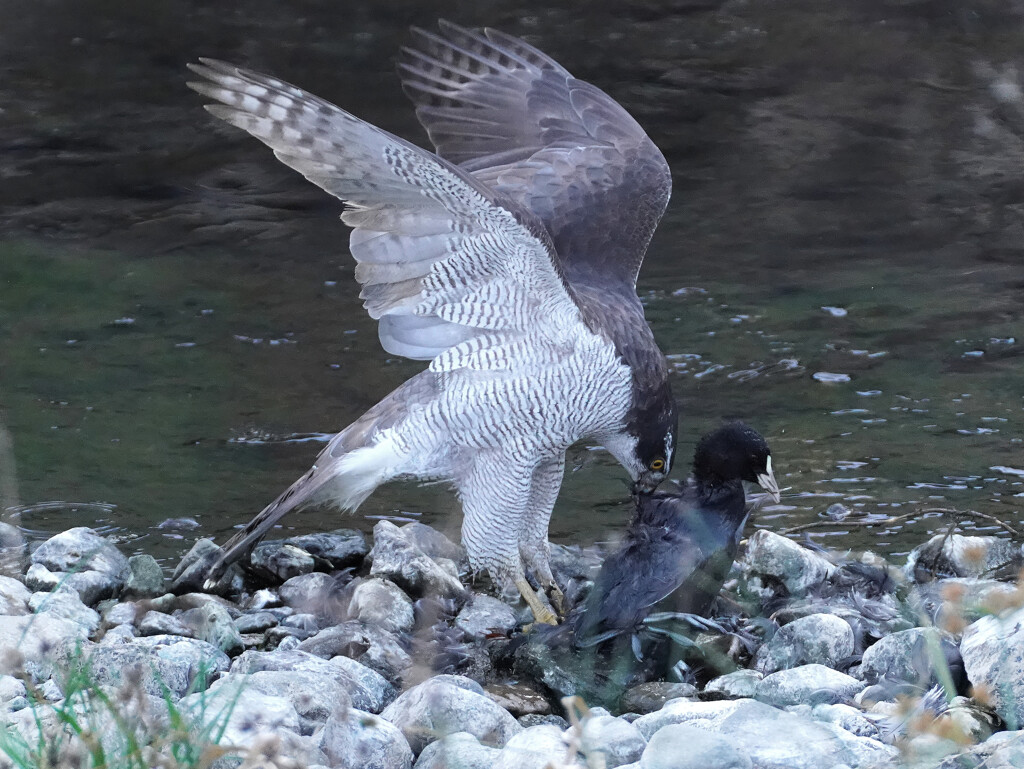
(735, 685)
(612, 741)
(794, 566)
(67, 605)
(904, 656)
(362, 740)
(381, 602)
(811, 684)
(483, 615)
(367, 689)
(34, 636)
(682, 746)
(533, 748)
(457, 751)
(817, 638)
(704, 714)
(398, 558)
(13, 596)
(448, 704)
(248, 712)
(991, 648)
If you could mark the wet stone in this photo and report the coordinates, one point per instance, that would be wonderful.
(92, 586)
(82, 549)
(10, 687)
(280, 561)
(305, 622)
(263, 598)
(279, 634)
(308, 592)
(121, 613)
(212, 623)
(398, 559)
(535, 719)
(956, 602)
(39, 579)
(251, 714)
(367, 689)
(561, 675)
(484, 616)
(846, 717)
(158, 623)
(11, 538)
(169, 662)
(376, 648)
(651, 696)
(518, 699)
(255, 622)
(433, 543)
(340, 548)
(382, 603)
(194, 567)
(315, 697)
(146, 577)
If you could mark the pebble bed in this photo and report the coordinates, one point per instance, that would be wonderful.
(391, 656)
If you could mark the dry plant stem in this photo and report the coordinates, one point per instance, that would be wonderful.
(907, 516)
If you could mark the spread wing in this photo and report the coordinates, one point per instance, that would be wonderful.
(560, 147)
(452, 272)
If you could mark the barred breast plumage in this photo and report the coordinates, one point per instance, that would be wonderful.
(508, 260)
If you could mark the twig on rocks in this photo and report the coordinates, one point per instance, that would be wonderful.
(825, 524)
(900, 518)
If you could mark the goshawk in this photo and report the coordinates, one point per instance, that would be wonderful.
(508, 259)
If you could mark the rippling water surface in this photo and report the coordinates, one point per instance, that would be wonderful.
(841, 264)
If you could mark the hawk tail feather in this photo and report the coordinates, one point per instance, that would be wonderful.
(353, 476)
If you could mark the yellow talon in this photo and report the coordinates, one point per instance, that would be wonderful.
(541, 613)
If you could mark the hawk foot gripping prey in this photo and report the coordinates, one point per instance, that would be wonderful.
(508, 260)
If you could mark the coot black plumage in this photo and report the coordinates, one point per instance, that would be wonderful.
(680, 543)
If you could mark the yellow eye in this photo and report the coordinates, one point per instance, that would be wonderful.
(658, 464)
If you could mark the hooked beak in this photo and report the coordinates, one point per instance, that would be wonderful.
(646, 483)
(767, 482)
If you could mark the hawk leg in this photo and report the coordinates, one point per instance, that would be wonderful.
(533, 538)
(495, 498)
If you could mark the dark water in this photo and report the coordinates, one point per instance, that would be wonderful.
(848, 205)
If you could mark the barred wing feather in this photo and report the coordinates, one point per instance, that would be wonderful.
(445, 264)
(558, 146)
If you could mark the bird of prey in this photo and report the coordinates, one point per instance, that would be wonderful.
(681, 543)
(508, 260)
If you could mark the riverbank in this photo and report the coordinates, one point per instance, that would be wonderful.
(337, 650)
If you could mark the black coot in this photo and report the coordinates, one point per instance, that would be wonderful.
(680, 545)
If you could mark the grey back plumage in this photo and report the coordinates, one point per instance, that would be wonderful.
(560, 147)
